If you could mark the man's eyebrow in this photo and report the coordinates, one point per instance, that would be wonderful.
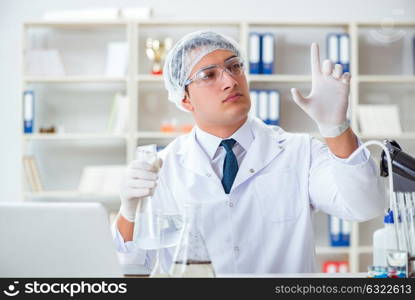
(233, 56)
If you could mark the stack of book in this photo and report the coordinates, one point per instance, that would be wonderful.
(31, 171)
(118, 119)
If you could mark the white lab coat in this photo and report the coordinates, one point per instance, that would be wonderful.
(265, 224)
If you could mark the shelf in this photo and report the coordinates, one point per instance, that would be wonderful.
(72, 136)
(70, 24)
(68, 194)
(403, 136)
(379, 24)
(75, 24)
(322, 250)
(299, 24)
(365, 249)
(73, 79)
(279, 78)
(149, 78)
(155, 22)
(157, 135)
(386, 79)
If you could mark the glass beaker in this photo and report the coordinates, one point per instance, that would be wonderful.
(191, 257)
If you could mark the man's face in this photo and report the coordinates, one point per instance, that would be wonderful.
(214, 104)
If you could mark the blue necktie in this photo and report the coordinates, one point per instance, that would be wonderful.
(230, 165)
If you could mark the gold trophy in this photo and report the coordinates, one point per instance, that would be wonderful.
(156, 51)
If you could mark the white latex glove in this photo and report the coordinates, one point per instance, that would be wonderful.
(139, 181)
(327, 103)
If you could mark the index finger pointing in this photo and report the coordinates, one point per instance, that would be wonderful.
(315, 58)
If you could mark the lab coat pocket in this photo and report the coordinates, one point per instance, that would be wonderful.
(278, 195)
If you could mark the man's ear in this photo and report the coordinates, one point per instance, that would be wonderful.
(186, 102)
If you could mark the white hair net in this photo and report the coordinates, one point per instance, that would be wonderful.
(186, 53)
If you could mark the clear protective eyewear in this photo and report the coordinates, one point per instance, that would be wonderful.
(212, 74)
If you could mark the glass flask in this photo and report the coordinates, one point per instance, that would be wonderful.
(168, 228)
(191, 257)
(145, 231)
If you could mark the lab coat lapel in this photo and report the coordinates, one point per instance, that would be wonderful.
(194, 159)
(264, 148)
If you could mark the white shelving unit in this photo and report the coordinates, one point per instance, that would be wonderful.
(149, 103)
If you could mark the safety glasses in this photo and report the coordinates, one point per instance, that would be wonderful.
(212, 74)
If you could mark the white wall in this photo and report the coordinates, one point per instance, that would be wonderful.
(14, 12)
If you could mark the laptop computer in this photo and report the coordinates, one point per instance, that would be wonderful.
(56, 240)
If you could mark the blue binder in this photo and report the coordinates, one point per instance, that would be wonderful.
(28, 111)
(263, 105)
(339, 232)
(254, 103)
(333, 48)
(274, 107)
(267, 53)
(254, 53)
(344, 48)
(338, 49)
(346, 229)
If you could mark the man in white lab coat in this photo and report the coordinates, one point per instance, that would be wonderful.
(259, 184)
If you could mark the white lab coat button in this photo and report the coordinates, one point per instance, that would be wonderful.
(236, 249)
(208, 174)
(251, 170)
(230, 204)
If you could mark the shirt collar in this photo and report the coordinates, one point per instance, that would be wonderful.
(210, 143)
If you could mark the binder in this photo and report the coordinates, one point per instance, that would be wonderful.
(334, 231)
(254, 103)
(339, 232)
(267, 53)
(274, 107)
(344, 55)
(338, 49)
(28, 111)
(254, 53)
(263, 106)
(413, 53)
(333, 48)
(333, 266)
(346, 228)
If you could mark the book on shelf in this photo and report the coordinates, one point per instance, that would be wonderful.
(118, 119)
(379, 119)
(117, 59)
(32, 174)
(105, 179)
(136, 13)
(44, 62)
(82, 15)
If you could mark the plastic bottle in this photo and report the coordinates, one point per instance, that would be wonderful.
(384, 239)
